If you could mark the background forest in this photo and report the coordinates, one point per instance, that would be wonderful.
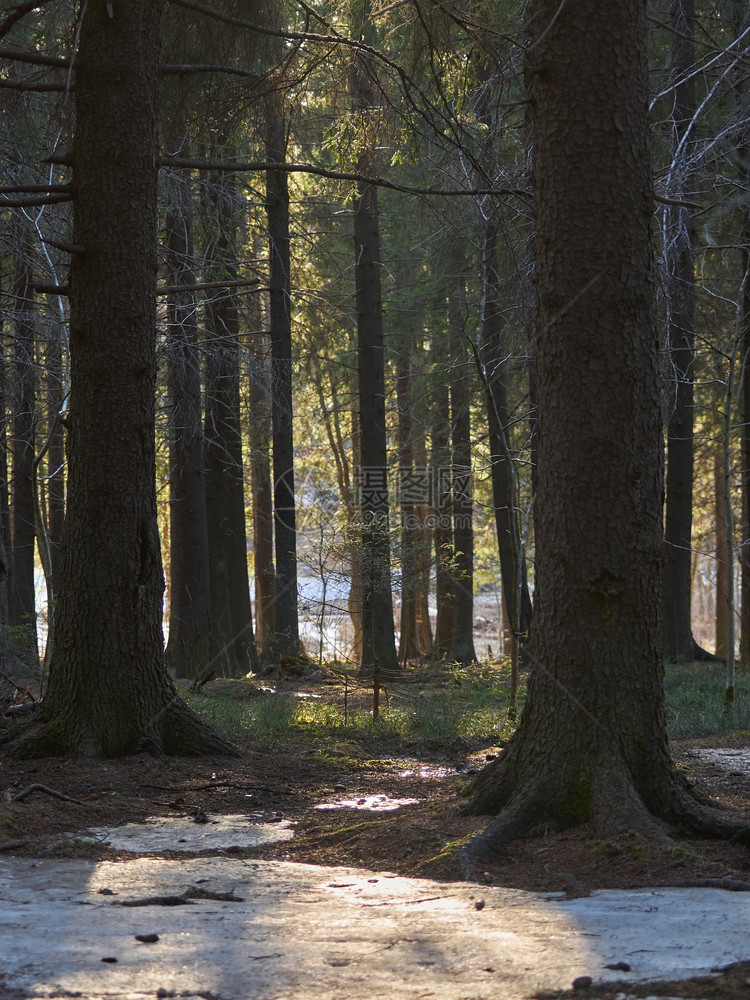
(346, 336)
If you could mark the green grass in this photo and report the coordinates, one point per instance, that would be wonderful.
(695, 702)
(468, 705)
(437, 708)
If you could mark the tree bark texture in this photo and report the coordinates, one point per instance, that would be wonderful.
(378, 637)
(188, 648)
(680, 297)
(462, 639)
(109, 692)
(233, 642)
(23, 531)
(262, 489)
(591, 745)
(410, 536)
(282, 416)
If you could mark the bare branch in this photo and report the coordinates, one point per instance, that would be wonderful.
(252, 166)
(19, 12)
(36, 58)
(177, 69)
(174, 289)
(32, 201)
(34, 189)
(40, 88)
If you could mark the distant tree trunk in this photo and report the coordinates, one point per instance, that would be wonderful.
(188, 648)
(462, 639)
(23, 516)
(442, 510)
(285, 531)
(592, 743)
(262, 488)
(409, 495)
(741, 18)
(109, 691)
(379, 644)
(423, 512)
(231, 612)
(55, 379)
(5, 640)
(680, 295)
(722, 561)
(512, 565)
(357, 584)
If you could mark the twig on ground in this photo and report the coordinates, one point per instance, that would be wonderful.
(48, 791)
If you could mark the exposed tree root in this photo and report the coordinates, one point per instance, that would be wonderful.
(607, 797)
(175, 731)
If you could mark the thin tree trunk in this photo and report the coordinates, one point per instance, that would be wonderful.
(410, 490)
(262, 489)
(55, 379)
(443, 521)
(277, 202)
(678, 250)
(722, 560)
(23, 516)
(462, 639)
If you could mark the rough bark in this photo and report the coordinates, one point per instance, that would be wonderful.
(378, 638)
(55, 453)
(285, 518)
(189, 593)
(409, 487)
(503, 475)
(722, 561)
(591, 745)
(462, 638)
(109, 692)
(233, 643)
(442, 506)
(262, 491)
(680, 297)
(22, 526)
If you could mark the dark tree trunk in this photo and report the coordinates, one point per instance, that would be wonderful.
(55, 454)
(233, 644)
(423, 511)
(378, 638)
(23, 531)
(722, 560)
(504, 493)
(188, 648)
(592, 742)
(285, 530)
(262, 489)
(442, 509)
(680, 295)
(741, 18)
(410, 488)
(109, 692)
(462, 639)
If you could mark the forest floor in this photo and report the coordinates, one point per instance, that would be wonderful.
(335, 797)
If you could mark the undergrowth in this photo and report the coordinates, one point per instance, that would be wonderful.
(436, 707)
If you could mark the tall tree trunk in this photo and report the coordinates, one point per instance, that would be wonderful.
(23, 515)
(462, 639)
(262, 489)
(678, 251)
(423, 512)
(592, 745)
(277, 202)
(55, 379)
(188, 648)
(722, 561)
(442, 503)
(379, 643)
(411, 487)
(741, 19)
(504, 492)
(109, 691)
